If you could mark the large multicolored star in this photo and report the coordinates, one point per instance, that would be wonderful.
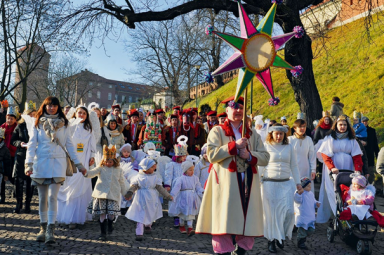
(255, 52)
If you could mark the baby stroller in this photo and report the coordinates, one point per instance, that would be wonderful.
(360, 232)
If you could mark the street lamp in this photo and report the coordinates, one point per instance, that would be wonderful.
(197, 67)
(171, 80)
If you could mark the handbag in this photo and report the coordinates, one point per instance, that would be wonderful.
(103, 139)
(71, 168)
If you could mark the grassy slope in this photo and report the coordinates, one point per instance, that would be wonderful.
(351, 68)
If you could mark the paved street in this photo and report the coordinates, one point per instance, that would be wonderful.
(18, 232)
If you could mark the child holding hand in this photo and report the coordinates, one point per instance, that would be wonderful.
(146, 206)
(305, 214)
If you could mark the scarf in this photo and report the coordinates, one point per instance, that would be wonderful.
(340, 136)
(325, 126)
(51, 123)
(114, 133)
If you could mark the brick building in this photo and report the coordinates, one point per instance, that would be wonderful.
(206, 88)
(89, 87)
(33, 64)
(334, 13)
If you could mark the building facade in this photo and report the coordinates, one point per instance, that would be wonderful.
(334, 13)
(164, 99)
(86, 87)
(206, 88)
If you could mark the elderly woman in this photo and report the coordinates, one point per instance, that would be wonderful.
(278, 188)
(46, 162)
(20, 138)
(76, 192)
(339, 151)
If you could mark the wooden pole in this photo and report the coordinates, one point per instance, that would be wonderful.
(244, 113)
(251, 98)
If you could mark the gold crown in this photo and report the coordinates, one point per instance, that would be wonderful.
(109, 152)
(2, 133)
(342, 117)
(30, 105)
(326, 114)
(356, 115)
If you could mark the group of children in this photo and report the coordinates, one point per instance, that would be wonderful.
(129, 184)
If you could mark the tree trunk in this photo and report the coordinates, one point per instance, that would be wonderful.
(299, 52)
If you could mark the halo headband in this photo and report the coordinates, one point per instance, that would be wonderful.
(278, 129)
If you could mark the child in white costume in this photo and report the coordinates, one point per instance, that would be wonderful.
(106, 195)
(146, 206)
(305, 214)
(129, 173)
(173, 169)
(201, 168)
(187, 192)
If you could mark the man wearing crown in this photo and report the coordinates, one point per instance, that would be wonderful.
(116, 110)
(232, 203)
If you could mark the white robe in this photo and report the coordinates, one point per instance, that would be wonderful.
(341, 152)
(129, 173)
(305, 156)
(75, 194)
(187, 193)
(201, 171)
(146, 206)
(172, 171)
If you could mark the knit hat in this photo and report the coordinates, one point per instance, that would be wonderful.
(186, 165)
(360, 179)
(305, 181)
(146, 163)
(109, 152)
(126, 147)
(149, 146)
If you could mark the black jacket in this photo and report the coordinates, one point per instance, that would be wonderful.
(364, 158)
(19, 135)
(320, 134)
(5, 160)
(372, 147)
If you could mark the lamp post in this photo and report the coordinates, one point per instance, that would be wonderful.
(197, 67)
(171, 80)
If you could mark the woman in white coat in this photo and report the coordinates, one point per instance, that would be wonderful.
(76, 192)
(338, 151)
(304, 151)
(278, 188)
(46, 162)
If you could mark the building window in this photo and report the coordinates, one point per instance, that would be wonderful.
(109, 106)
(90, 83)
(116, 97)
(109, 96)
(122, 98)
(99, 84)
(89, 93)
(98, 94)
(110, 86)
(130, 99)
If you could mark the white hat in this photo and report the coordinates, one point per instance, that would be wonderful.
(127, 147)
(194, 159)
(148, 146)
(186, 165)
(301, 116)
(258, 120)
(146, 163)
(283, 118)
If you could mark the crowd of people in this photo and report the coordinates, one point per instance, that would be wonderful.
(91, 164)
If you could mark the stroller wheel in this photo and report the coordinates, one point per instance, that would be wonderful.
(330, 234)
(364, 247)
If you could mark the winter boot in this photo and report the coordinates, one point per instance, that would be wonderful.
(239, 251)
(191, 231)
(176, 222)
(103, 229)
(147, 230)
(280, 245)
(182, 229)
(301, 244)
(19, 205)
(50, 234)
(272, 246)
(27, 206)
(2, 196)
(41, 235)
(110, 226)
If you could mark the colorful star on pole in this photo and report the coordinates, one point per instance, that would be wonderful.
(255, 52)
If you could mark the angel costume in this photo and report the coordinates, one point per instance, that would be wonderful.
(201, 171)
(305, 156)
(75, 194)
(340, 153)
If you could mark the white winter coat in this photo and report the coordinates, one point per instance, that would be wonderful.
(48, 158)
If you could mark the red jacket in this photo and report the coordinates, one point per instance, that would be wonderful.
(8, 136)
